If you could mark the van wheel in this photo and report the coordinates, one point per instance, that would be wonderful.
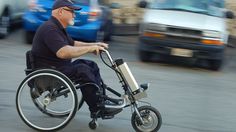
(108, 30)
(145, 56)
(29, 36)
(215, 64)
(104, 34)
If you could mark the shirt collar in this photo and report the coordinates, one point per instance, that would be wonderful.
(57, 23)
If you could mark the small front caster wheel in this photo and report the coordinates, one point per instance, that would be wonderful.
(151, 119)
(93, 125)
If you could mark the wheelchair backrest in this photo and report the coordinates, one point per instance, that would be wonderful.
(29, 62)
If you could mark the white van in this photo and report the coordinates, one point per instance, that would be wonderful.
(185, 28)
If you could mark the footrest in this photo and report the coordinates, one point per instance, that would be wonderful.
(115, 101)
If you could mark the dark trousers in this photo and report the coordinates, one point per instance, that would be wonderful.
(85, 71)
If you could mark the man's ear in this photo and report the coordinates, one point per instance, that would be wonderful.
(60, 12)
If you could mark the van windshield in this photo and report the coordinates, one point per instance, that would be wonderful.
(208, 7)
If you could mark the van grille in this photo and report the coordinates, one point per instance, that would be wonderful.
(183, 39)
(183, 35)
(179, 34)
(183, 32)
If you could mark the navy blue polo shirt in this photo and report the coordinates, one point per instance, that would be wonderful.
(49, 38)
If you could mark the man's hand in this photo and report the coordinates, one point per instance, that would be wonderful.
(96, 49)
(104, 45)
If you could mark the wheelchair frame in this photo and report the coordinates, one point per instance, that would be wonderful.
(128, 98)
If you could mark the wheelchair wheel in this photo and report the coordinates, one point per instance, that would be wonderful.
(151, 118)
(53, 94)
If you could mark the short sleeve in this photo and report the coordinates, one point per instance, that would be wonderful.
(54, 40)
(72, 42)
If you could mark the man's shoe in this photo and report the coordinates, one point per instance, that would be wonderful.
(106, 111)
(111, 111)
(113, 101)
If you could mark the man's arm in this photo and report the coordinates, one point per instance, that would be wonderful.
(79, 44)
(68, 52)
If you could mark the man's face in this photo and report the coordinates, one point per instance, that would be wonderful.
(67, 15)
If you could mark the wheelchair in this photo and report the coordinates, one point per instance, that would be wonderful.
(47, 100)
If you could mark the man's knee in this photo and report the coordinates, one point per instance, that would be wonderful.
(92, 64)
(85, 73)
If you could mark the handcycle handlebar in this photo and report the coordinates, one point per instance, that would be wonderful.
(108, 55)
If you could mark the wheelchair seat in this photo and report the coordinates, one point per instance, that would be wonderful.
(42, 83)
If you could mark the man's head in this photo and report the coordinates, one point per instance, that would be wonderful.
(63, 10)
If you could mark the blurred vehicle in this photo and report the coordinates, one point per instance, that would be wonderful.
(91, 23)
(11, 12)
(185, 28)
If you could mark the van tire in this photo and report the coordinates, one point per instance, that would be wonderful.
(215, 65)
(29, 36)
(144, 56)
(108, 30)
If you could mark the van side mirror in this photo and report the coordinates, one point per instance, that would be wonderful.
(143, 4)
(229, 14)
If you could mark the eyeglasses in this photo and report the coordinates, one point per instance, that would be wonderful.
(72, 11)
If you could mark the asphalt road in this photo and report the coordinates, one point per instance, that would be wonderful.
(190, 99)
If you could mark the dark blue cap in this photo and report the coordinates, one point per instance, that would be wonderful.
(63, 3)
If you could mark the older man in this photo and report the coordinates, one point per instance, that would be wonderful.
(54, 48)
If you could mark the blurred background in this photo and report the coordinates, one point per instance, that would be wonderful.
(184, 48)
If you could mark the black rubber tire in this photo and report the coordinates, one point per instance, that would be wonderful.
(144, 56)
(108, 29)
(2, 36)
(215, 65)
(29, 36)
(134, 118)
(58, 74)
(93, 125)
